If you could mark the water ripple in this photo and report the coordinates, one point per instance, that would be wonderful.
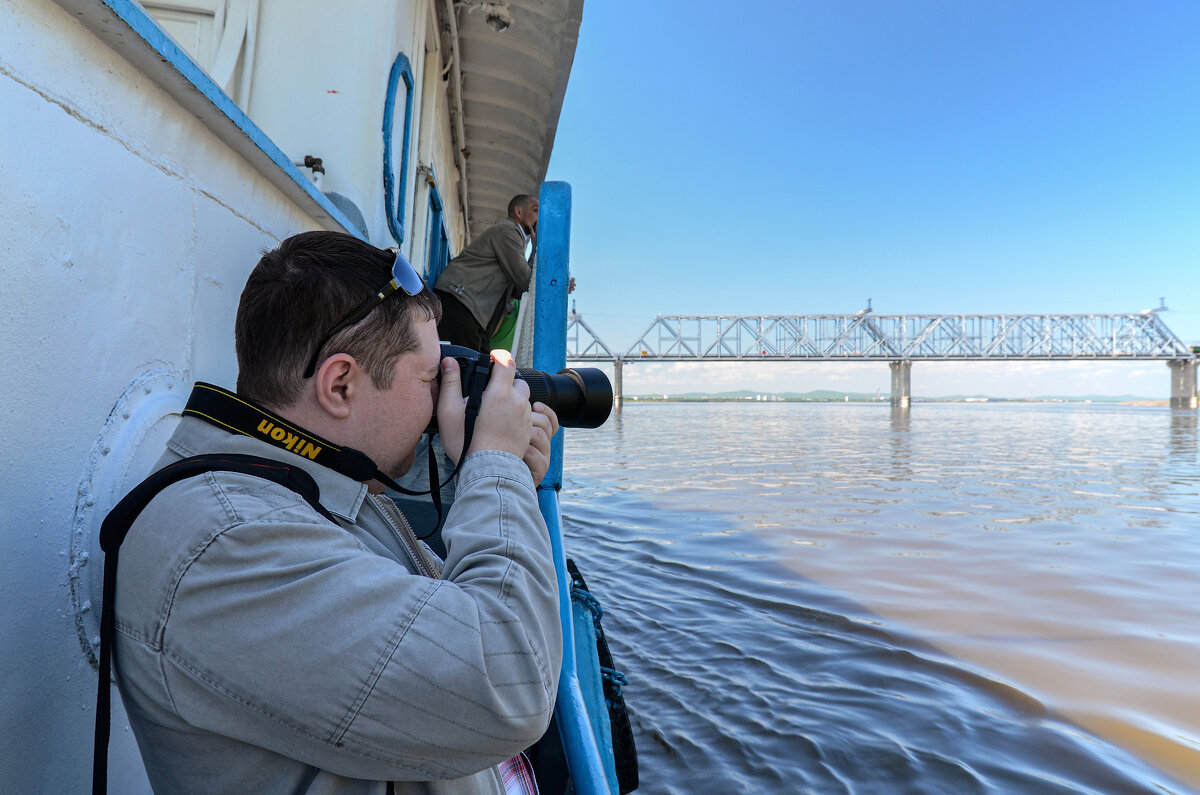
(858, 602)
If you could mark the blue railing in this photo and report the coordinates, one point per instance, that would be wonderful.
(580, 712)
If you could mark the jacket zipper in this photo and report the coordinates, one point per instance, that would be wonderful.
(405, 535)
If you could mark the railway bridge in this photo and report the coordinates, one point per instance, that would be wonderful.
(899, 340)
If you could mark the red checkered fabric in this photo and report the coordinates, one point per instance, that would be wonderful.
(518, 776)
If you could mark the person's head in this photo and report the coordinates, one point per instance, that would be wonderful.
(523, 209)
(301, 290)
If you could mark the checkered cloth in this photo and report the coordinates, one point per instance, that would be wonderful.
(518, 776)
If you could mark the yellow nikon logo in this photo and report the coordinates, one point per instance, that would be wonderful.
(289, 441)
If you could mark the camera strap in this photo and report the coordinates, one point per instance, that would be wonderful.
(112, 533)
(235, 414)
(226, 410)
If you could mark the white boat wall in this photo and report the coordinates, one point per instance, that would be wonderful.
(149, 154)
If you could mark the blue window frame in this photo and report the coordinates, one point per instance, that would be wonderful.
(395, 182)
(438, 252)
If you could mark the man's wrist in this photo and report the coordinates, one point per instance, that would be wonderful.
(493, 463)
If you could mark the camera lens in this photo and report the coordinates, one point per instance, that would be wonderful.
(581, 398)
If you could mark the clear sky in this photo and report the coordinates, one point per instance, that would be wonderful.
(933, 156)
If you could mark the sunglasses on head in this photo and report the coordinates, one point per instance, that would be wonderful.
(404, 277)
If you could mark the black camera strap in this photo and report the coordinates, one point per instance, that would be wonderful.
(228, 410)
(112, 533)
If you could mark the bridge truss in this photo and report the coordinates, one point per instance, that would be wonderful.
(866, 336)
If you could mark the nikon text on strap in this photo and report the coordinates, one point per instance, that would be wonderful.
(226, 410)
(112, 532)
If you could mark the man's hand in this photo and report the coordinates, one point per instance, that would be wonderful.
(451, 409)
(505, 420)
(537, 456)
(504, 416)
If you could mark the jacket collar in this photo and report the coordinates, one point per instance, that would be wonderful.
(520, 229)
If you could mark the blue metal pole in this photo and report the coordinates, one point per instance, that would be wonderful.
(549, 354)
(550, 307)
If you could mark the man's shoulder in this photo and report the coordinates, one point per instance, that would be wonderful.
(212, 502)
(504, 228)
(483, 250)
(211, 519)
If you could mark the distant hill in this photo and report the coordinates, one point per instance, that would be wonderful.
(1048, 399)
(1101, 398)
(750, 394)
(830, 395)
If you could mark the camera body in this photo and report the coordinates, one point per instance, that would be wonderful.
(582, 398)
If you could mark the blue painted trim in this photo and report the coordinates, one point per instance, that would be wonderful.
(550, 307)
(570, 707)
(572, 710)
(395, 187)
(144, 26)
(591, 686)
(439, 242)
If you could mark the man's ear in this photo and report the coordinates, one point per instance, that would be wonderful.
(337, 380)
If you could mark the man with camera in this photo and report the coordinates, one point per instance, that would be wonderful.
(270, 639)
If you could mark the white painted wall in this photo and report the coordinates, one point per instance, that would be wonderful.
(320, 80)
(129, 229)
(437, 148)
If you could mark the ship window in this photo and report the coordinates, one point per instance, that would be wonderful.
(439, 242)
(397, 131)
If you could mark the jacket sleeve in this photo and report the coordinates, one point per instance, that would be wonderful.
(509, 247)
(339, 657)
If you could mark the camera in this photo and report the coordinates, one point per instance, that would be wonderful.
(582, 398)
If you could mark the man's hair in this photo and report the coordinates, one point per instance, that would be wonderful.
(520, 200)
(301, 290)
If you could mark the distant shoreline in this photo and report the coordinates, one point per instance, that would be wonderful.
(1110, 401)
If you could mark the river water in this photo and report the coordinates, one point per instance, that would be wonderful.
(848, 598)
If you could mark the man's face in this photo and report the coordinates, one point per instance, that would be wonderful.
(395, 418)
(527, 216)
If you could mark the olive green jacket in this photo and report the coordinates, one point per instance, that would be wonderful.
(489, 271)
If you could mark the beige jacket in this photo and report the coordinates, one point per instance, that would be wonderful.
(260, 648)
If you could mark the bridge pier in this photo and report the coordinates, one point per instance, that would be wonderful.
(901, 383)
(1183, 383)
(617, 365)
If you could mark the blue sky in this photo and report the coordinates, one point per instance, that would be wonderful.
(932, 156)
